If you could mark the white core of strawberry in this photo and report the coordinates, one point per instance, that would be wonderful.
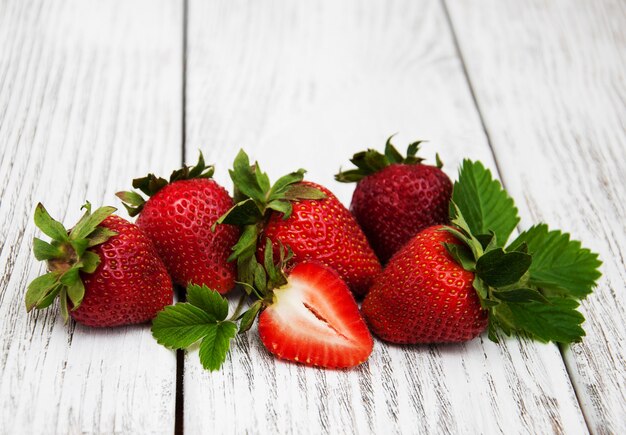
(298, 307)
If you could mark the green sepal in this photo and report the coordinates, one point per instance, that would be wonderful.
(39, 288)
(90, 221)
(63, 305)
(462, 255)
(371, 161)
(248, 317)
(520, 295)
(67, 255)
(150, 185)
(50, 227)
(499, 269)
(245, 212)
(45, 251)
(297, 192)
(284, 183)
(246, 245)
(281, 206)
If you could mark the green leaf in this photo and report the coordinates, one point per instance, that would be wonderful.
(483, 202)
(247, 319)
(243, 213)
(89, 222)
(498, 268)
(210, 301)
(297, 192)
(45, 251)
(71, 275)
(557, 321)
(179, 326)
(350, 176)
(51, 228)
(39, 288)
(215, 345)
(79, 246)
(520, 295)
(558, 262)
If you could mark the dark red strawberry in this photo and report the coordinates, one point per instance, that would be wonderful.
(424, 296)
(304, 216)
(315, 320)
(105, 271)
(396, 197)
(179, 216)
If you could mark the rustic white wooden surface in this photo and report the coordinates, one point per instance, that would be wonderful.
(550, 80)
(90, 96)
(305, 86)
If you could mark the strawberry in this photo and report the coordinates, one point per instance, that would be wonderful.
(178, 217)
(304, 216)
(105, 270)
(307, 315)
(424, 296)
(396, 197)
(448, 283)
(315, 320)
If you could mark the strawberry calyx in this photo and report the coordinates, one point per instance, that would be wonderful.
(150, 185)
(66, 255)
(532, 286)
(256, 198)
(371, 161)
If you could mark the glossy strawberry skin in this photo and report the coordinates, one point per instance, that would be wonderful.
(315, 320)
(397, 202)
(178, 220)
(324, 231)
(130, 285)
(424, 296)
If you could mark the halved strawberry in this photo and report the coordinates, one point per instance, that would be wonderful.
(315, 320)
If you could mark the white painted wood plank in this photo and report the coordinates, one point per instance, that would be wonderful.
(90, 96)
(305, 85)
(550, 80)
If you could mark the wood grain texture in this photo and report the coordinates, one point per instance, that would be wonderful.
(90, 96)
(550, 79)
(305, 85)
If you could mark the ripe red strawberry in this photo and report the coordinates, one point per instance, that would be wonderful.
(105, 270)
(178, 217)
(315, 320)
(424, 296)
(323, 230)
(396, 197)
(304, 216)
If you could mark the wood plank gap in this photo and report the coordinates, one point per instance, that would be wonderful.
(468, 79)
(179, 407)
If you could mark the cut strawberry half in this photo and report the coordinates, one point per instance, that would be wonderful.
(315, 320)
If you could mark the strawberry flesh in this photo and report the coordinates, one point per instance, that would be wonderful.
(315, 320)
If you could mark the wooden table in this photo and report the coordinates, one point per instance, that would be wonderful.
(94, 93)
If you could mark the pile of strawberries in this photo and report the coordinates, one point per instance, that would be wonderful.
(429, 260)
